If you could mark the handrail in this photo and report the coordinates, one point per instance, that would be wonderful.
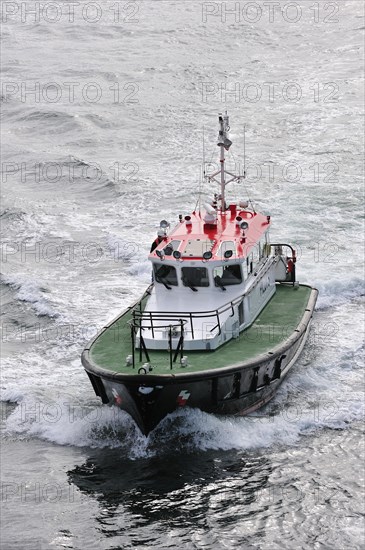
(285, 244)
(139, 319)
(293, 259)
(135, 324)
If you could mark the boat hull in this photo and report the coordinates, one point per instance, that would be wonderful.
(234, 390)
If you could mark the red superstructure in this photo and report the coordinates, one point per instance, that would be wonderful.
(227, 229)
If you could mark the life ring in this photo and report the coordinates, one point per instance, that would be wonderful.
(142, 370)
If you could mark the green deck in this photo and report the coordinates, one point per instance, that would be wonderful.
(274, 325)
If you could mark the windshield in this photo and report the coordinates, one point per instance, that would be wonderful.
(195, 276)
(165, 274)
(227, 275)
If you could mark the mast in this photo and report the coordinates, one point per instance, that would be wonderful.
(224, 144)
(221, 160)
(244, 150)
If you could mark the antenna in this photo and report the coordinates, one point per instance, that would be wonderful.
(244, 150)
(204, 175)
(203, 154)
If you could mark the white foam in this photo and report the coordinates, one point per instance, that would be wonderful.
(336, 292)
(68, 422)
(143, 271)
(12, 394)
(28, 290)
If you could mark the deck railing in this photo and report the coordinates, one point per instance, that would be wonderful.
(172, 327)
(172, 322)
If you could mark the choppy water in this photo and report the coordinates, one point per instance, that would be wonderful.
(109, 143)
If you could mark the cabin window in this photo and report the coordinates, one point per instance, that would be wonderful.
(165, 274)
(227, 275)
(195, 276)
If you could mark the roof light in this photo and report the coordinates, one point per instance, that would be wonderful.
(168, 250)
(228, 254)
(244, 225)
(207, 255)
(176, 254)
(160, 254)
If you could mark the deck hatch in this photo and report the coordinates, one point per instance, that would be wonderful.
(195, 248)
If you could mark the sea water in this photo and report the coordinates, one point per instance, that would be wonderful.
(104, 107)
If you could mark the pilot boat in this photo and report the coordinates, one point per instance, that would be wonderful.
(222, 323)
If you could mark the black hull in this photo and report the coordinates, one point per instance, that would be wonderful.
(233, 390)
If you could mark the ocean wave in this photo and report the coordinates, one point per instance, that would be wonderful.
(47, 122)
(86, 173)
(339, 291)
(29, 291)
(185, 430)
(12, 214)
(44, 115)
